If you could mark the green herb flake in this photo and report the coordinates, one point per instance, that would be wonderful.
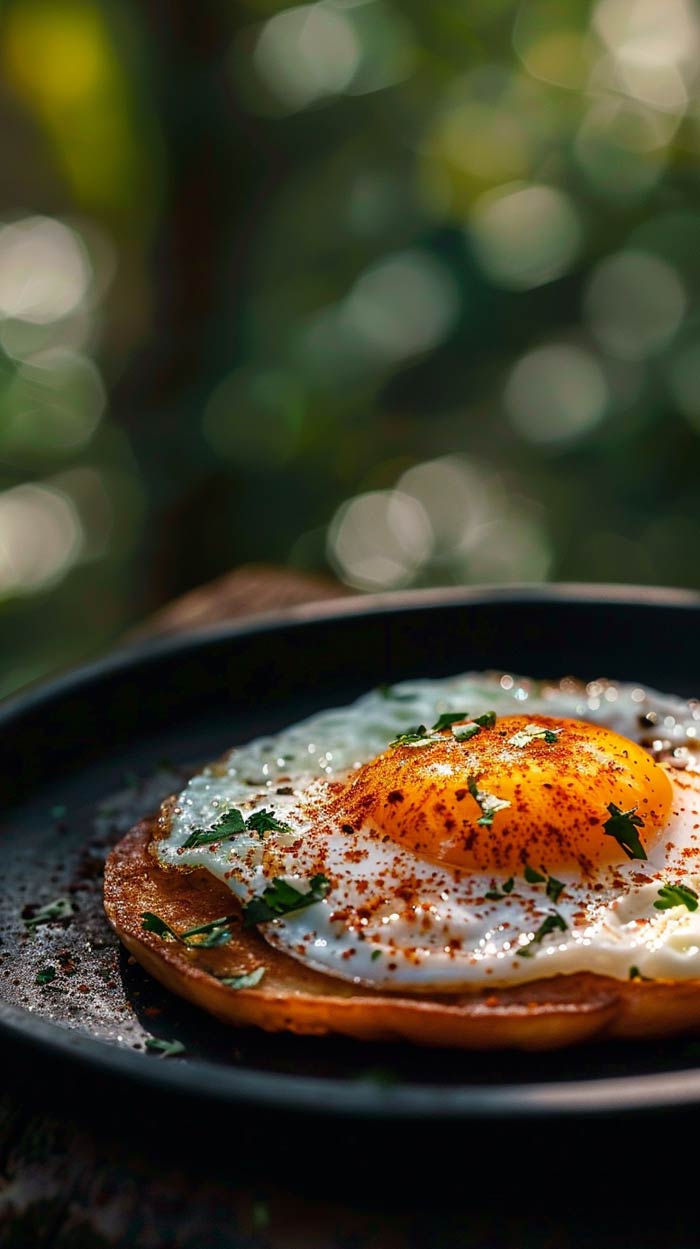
(153, 923)
(532, 877)
(164, 1049)
(549, 924)
(229, 825)
(555, 888)
(246, 981)
(622, 825)
(534, 733)
(496, 894)
(676, 895)
(375, 955)
(281, 898)
(417, 736)
(265, 822)
(465, 732)
(213, 934)
(489, 803)
(487, 720)
(447, 719)
(46, 975)
(60, 908)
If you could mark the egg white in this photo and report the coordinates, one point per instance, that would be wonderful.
(393, 920)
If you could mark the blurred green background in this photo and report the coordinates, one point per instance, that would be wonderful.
(403, 290)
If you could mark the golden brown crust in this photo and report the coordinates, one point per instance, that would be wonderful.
(544, 1014)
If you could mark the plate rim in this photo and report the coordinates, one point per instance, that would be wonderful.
(360, 1098)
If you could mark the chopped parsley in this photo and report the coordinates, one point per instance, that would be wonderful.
(281, 898)
(554, 887)
(534, 733)
(486, 721)
(464, 732)
(417, 736)
(231, 824)
(265, 822)
(532, 877)
(676, 895)
(447, 719)
(165, 1049)
(153, 923)
(215, 933)
(495, 894)
(549, 924)
(247, 980)
(60, 908)
(46, 975)
(622, 825)
(489, 803)
(635, 974)
(375, 955)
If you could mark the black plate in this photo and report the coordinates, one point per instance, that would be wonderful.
(81, 758)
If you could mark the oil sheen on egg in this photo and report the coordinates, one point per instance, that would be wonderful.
(463, 848)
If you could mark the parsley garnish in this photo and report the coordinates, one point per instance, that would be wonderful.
(549, 924)
(417, 736)
(246, 981)
(281, 898)
(487, 720)
(676, 895)
(265, 822)
(375, 955)
(635, 974)
(447, 719)
(507, 887)
(534, 733)
(153, 923)
(229, 825)
(532, 877)
(232, 823)
(60, 908)
(554, 889)
(165, 1049)
(217, 931)
(46, 975)
(622, 826)
(463, 732)
(489, 803)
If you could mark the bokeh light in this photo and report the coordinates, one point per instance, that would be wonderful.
(524, 235)
(556, 394)
(634, 304)
(40, 538)
(377, 541)
(390, 292)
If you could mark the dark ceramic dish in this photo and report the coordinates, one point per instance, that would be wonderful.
(81, 758)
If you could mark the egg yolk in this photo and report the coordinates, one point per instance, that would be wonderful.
(530, 790)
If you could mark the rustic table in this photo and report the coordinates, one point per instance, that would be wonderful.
(77, 1172)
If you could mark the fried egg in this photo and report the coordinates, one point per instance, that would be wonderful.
(442, 835)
